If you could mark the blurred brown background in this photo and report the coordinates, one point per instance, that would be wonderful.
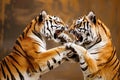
(16, 14)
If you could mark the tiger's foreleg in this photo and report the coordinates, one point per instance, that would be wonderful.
(88, 65)
(48, 60)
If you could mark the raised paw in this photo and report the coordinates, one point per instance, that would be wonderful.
(76, 48)
(72, 55)
(64, 38)
(70, 46)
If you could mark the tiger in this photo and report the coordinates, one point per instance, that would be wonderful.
(93, 45)
(29, 59)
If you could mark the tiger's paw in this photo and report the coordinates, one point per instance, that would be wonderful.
(64, 38)
(73, 56)
(70, 46)
(79, 50)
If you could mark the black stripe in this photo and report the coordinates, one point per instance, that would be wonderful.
(40, 69)
(85, 68)
(91, 33)
(57, 52)
(87, 24)
(50, 67)
(55, 22)
(94, 53)
(33, 69)
(29, 26)
(35, 24)
(14, 59)
(50, 17)
(78, 25)
(20, 37)
(97, 41)
(49, 31)
(48, 27)
(37, 52)
(17, 51)
(103, 28)
(51, 23)
(114, 50)
(81, 63)
(20, 75)
(38, 44)
(37, 34)
(40, 18)
(114, 76)
(17, 42)
(109, 60)
(44, 29)
(54, 60)
(7, 77)
(116, 65)
(114, 62)
(3, 72)
(111, 57)
(59, 62)
(12, 76)
(23, 34)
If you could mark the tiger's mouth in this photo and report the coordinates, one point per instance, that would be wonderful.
(79, 37)
(57, 32)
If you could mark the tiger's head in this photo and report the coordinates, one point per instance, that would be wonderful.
(52, 27)
(88, 30)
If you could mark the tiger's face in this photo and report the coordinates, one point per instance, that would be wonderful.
(53, 28)
(84, 30)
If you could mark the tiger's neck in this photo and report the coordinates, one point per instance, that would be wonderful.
(102, 39)
(33, 31)
(100, 42)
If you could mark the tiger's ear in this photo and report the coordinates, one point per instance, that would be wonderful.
(42, 16)
(92, 17)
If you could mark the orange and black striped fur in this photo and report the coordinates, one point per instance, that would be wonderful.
(93, 44)
(29, 58)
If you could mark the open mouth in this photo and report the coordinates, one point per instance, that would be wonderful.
(57, 32)
(79, 37)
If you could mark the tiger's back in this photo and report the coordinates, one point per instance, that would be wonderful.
(107, 62)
